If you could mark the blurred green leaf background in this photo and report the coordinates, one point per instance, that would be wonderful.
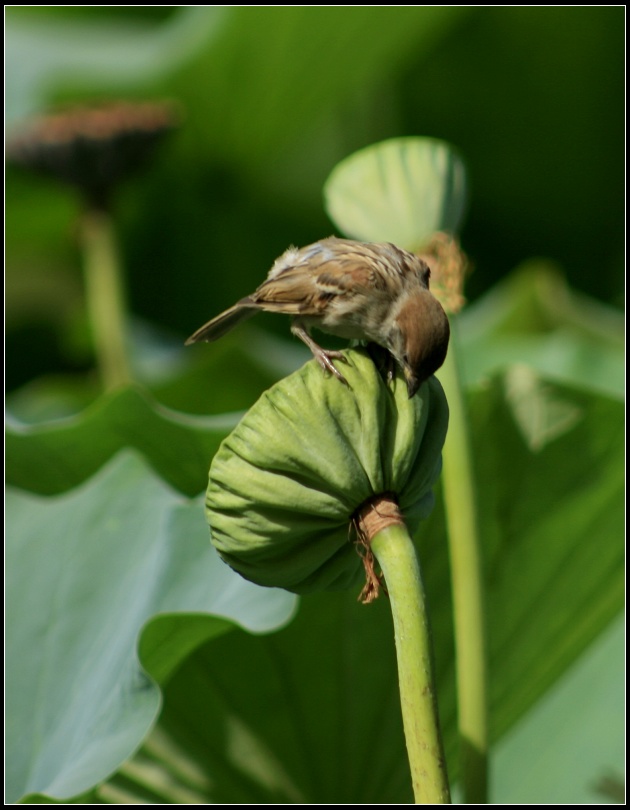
(271, 99)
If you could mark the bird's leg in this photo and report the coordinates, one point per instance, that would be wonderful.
(324, 357)
(383, 360)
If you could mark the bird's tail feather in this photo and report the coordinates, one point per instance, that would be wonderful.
(224, 322)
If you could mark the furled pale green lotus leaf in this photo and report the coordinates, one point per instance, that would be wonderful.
(285, 483)
(401, 190)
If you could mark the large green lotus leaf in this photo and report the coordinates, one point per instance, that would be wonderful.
(536, 762)
(56, 456)
(313, 717)
(551, 504)
(534, 317)
(86, 572)
(577, 728)
(245, 363)
(402, 191)
(311, 714)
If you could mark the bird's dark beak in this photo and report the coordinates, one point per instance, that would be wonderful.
(413, 383)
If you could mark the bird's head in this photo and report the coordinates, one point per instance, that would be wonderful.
(419, 338)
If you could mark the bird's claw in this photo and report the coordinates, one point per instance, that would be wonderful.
(325, 359)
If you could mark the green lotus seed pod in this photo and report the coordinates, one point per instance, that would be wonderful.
(285, 484)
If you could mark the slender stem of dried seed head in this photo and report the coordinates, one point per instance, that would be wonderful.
(449, 266)
(464, 542)
(105, 299)
(383, 529)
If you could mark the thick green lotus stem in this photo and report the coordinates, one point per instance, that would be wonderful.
(105, 299)
(393, 548)
(466, 572)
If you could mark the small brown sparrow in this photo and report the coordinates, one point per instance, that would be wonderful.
(357, 290)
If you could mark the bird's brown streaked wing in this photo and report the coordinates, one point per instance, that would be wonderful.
(305, 290)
